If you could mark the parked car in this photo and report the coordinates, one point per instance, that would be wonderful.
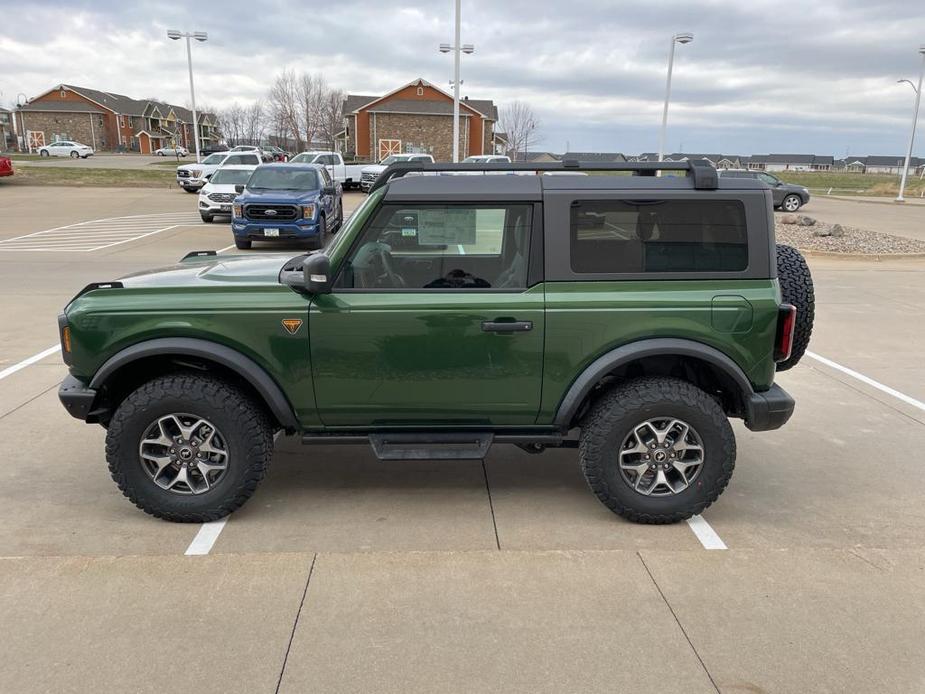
(277, 153)
(172, 152)
(487, 159)
(66, 148)
(299, 202)
(627, 317)
(217, 195)
(369, 174)
(206, 151)
(264, 154)
(6, 166)
(348, 175)
(787, 196)
(192, 177)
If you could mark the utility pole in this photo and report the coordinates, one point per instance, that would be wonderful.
(915, 117)
(199, 36)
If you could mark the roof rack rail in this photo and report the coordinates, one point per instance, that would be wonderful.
(701, 170)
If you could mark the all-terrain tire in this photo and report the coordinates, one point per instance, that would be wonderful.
(796, 287)
(245, 427)
(618, 412)
(242, 244)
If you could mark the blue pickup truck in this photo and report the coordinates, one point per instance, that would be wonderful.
(287, 202)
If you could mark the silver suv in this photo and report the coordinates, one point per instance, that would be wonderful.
(787, 196)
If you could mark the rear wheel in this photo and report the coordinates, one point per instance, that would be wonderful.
(796, 288)
(188, 448)
(791, 203)
(243, 244)
(657, 450)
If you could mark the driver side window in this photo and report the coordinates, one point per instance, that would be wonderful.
(425, 247)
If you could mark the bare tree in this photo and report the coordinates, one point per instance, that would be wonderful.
(284, 105)
(254, 123)
(331, 116)
(519, 124)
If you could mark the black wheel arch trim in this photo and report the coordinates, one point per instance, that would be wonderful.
(624, 354)
(242, 365)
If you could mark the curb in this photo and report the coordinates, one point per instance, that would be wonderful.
(861, 256)
(890, 201)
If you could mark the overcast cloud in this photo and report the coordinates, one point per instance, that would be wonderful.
(760, 76)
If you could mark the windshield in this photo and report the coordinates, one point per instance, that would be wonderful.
(283, 179)
(230, 177)
(214, 159)
(304, 158)
(358, 218)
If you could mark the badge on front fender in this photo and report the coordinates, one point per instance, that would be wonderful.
(292, 325)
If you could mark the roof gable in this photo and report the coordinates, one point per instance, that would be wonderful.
(424, 84)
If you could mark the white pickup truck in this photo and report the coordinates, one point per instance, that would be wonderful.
(192, 177)
(348, 175)
(371, 173)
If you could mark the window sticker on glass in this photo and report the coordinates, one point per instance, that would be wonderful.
(409, 225)
(446, 226)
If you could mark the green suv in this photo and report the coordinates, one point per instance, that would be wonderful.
(628, 316)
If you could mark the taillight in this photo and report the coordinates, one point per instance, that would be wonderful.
(786, 322)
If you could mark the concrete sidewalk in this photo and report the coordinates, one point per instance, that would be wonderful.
(906, 220)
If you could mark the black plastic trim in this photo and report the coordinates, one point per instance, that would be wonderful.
(615, 358)
(198, 254)
(245, 367)
(769, 409)
(76, 397)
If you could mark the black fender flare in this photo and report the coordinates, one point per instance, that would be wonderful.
(624, 354)
(243, 366)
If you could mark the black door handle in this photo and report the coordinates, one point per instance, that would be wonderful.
(510, 326)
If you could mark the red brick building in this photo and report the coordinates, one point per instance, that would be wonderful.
(109, 122)
(417, 117)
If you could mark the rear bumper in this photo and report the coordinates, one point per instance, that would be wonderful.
(769, 409)
(76, 397)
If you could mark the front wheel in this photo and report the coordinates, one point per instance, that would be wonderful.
(44, 153)
(188, 448)
(207, 218)
(242, 244)
(657, 450)
(792, 203)
(191, 190)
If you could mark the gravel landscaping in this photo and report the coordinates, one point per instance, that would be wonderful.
(809, 234)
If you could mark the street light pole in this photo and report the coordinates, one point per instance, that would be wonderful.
(199, 36)
(468, 49)
(677, 38)
(915, 117)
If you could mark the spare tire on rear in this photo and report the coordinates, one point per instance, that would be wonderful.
(796, 287)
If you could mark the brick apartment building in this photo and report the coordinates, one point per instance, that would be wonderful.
(109, 122)
(417, 117)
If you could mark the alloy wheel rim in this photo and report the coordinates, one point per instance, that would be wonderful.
(183, 454)
(791, 204)
(661, 456)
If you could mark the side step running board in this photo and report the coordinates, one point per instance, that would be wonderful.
(455, 446)
(437, 445)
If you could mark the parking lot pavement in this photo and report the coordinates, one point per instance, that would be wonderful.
(874, 214)
(821, 587)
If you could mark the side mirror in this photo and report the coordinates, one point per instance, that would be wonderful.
(239, 188)
(317, 270)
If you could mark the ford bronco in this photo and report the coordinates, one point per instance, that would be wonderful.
(627, 316)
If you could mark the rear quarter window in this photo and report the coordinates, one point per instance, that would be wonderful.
(651, 236)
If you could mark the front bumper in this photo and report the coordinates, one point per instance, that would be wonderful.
(769, 409)
(298, 229)
(207, 206)
(190, 183)
(76, 397)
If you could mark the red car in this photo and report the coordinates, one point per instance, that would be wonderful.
(6, 166)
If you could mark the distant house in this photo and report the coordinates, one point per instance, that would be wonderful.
(7, 138)
(536, 157)
(720, 161)
(791, 162)
(887, 164)
(596, 157)
(416, 117)
(108, 121)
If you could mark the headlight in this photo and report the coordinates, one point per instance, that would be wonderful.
(308, 211)
(236, 211)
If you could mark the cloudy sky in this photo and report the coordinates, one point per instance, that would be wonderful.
(760, 76)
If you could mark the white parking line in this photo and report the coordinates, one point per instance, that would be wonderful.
(869, 381)
(97, 234)
(205, 538)
(705, 533)
(10, 370)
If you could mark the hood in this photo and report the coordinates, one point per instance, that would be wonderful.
(213, 271)
(279, 196)
(373, 168)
